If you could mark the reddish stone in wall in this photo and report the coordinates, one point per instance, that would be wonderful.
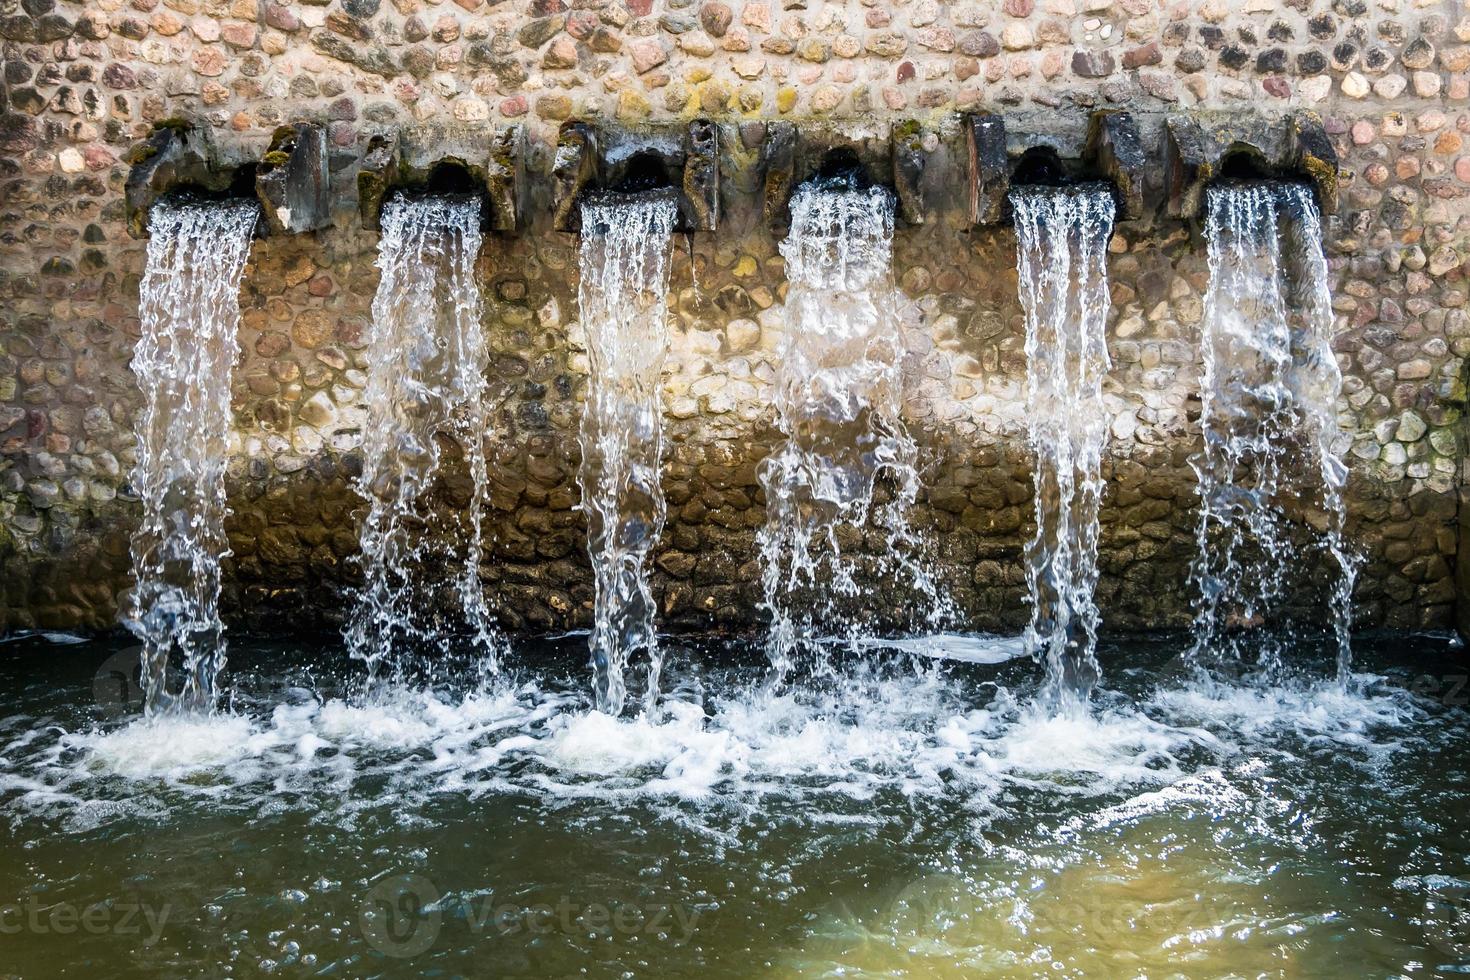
(1093, 64)
(1148, 54)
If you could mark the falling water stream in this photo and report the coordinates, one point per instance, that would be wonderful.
(838, 399)
(426, 384)
(1269, 407)
(919, 813)
(189, 311)
(1062, 238)
(623, 300)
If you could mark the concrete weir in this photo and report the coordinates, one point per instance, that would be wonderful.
(65, 423)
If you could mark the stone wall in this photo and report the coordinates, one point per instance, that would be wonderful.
(85, 81)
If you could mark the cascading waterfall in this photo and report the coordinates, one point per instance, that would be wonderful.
(189, 310)
(1062, 238)
(427, 356)
(838, 399)
(623, 298)
(1269, 407)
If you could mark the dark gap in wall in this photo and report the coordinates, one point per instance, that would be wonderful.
(645, 172)
(241, 184)
(449, 177)
(841, 169)
(1041, 165)
(1244, 163)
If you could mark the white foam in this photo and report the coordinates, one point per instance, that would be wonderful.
(973, 648)
(894, 731)
(169, 748)
(909, 733)
(1114, 747)
(58, 639)
(1362, 714)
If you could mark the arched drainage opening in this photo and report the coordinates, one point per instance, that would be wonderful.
(1041, 166)
(639, 188)
(1245, 163)
(1110, 154)
(450, 177)
(645, 171)
(595, 165)
(1245, 149)
(1042, 169)
(841, 169)
(480, 165)
(178, 162)
(231, 184)
(825, 161)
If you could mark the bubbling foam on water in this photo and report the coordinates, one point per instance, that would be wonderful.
(718, 744)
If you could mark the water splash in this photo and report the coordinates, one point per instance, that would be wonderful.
(1061, 250)
(1269, 406)
(426, 383)
(838, 400)
(623, 299)
(189, 310)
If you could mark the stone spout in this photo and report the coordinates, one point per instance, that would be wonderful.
(702, 176)
(778, 159)
(292, 180)
(909, 162)
(591, 160)
(990, 171)
(1104, 147)
(573, 172)
(1198, 151)
(448, 160)
(175, 156)
(791, 157)
(1115, 153)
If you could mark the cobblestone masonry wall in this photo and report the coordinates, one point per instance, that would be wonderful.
(83, 81)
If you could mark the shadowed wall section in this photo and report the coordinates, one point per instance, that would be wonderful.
(85, 83)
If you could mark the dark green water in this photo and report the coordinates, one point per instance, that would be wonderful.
(907, 818)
